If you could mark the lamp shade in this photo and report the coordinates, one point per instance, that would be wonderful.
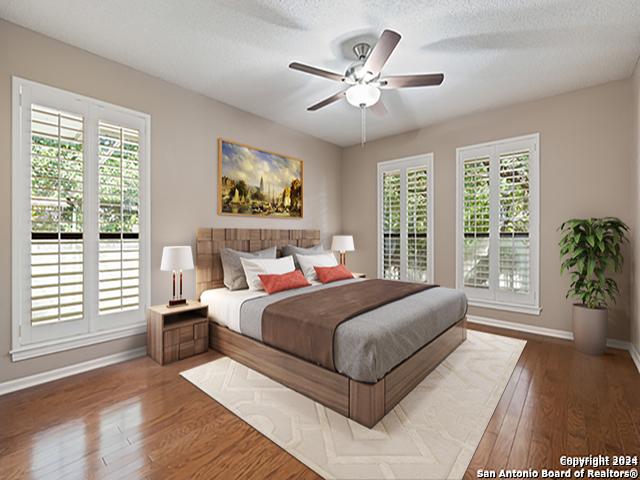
(342, 243)
(176, 258)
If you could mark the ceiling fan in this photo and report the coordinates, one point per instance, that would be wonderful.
(363, 76)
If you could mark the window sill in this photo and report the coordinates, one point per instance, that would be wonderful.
(60, 345)
(509, 307)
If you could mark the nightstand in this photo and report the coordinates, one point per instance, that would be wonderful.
(359, 275)
(174, 333)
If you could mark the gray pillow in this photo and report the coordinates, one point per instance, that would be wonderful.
(294, 250)
(234, 278)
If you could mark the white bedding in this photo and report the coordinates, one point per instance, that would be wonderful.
(224, 304)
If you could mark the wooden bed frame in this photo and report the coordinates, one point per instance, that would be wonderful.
(365, 403)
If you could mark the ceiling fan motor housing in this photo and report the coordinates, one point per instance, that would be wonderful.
(361, 50)
(355, 73)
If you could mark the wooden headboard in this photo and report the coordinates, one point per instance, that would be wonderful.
(209, 241)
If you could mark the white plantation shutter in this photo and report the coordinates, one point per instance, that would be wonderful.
(476, 223)
(497, 259)
(57, 194)
(391, 225)
(514, 222)
(118, 222)
(417, 223)
(80, 244)
(405, 219)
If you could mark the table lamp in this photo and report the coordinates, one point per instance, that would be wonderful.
(342, 244)
(176, 259)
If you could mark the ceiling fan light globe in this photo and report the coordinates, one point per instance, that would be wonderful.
(362, 95)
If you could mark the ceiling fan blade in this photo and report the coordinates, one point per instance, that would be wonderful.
(316, 71)
(406, 81)
(378, 109)
(382, 51)
(326, 101)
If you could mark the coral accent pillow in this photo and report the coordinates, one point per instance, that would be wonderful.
(333, 274)
(273, 283)
(308, 262)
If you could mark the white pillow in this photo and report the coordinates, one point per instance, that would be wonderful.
(307, 262)
(265, 266)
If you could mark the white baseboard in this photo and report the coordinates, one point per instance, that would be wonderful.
(635, 355)
(552, 332)
(521, 327)
(615, 343)
(44, 377)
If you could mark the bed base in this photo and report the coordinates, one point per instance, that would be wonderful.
(364, 403)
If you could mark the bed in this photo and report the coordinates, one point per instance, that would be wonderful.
(376, 362)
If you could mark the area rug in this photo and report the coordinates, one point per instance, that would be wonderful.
(431, 434)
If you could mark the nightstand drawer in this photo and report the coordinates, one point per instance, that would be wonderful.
(187, 349)
(200, 330)
(201, 345)
(171, 337)
(170, 353)
(186, 333)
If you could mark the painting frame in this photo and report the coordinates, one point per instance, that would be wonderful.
(220, 203)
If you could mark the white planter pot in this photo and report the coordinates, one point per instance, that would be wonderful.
(590, 329)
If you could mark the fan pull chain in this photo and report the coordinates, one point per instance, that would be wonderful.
(364, 124)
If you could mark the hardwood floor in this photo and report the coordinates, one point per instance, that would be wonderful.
(140, 420)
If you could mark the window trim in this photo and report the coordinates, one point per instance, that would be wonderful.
(404, 164)
(88, 332)
(492, 298)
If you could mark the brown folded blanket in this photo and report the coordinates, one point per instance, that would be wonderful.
(304, 325)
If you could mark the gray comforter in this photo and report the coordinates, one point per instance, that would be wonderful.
(368, 346)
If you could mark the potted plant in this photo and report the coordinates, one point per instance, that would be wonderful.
(589, 249)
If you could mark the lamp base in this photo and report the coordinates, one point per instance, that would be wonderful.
(179, 301)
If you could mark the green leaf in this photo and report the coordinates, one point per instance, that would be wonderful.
(591, 265)
(589, 248)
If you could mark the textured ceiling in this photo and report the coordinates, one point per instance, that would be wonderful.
(492, 52)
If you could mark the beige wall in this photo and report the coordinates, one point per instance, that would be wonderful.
(184, 129)
(635, 209)
(585, 153)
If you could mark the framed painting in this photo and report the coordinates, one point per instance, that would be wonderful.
(254, 182)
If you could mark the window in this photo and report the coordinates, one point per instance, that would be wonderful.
(80, 220)
(405, 219)
(497, 224)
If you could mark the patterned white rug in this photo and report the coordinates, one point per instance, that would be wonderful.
(431, 434)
